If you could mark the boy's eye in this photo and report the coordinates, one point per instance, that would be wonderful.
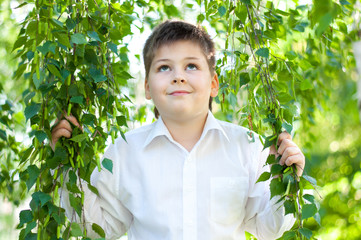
(163, 68)
(191, 67)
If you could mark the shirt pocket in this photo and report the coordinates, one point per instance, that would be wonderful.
(228, 198)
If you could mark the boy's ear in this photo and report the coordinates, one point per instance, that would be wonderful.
(214, 85)
(146, 88)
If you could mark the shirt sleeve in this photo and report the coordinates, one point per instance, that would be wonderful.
(104, 209)
(265, 218)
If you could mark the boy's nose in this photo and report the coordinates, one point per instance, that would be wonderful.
(179, 77)
(178, 80)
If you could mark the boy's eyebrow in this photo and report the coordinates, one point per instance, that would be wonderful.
(166, 59)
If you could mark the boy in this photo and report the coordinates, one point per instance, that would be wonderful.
(187, 175)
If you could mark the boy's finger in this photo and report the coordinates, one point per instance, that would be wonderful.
(273, 150)
(283, 136)
(58, 133)
(63, 124)
(73, 120)
(284, 145)
(298, 160)
(290, 151)
(62, 132)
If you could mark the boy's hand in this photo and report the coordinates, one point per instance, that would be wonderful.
(63, 129)
(291, 153)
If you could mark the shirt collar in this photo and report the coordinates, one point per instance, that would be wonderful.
(212, 124)
(159, 129)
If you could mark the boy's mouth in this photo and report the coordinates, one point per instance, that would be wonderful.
(179, 93)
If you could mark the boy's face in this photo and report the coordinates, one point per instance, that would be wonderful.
(180, 82)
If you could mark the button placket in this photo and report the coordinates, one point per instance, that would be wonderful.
(189, 199)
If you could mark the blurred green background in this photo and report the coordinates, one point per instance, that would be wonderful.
(329, 132)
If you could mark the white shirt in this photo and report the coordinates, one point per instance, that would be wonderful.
(159, 190)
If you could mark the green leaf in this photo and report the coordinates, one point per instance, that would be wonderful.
(93, 189)
(243, 78)
(41, 135)
(63, 39)
(79, 138)
(20, 42)
(32, 110)
(3, 135)
(21, 5)
(75, 202)
(25, 216)
(97, 75)
(113, 47)
(308, 210)
(108, 164)
(20, 71)
(40, 197)
(306, 232)
(306, 84)
(310, 179)
(33, 172)
(246, 1)
(122, 121)
(89, 119)
(317, 218)
(98, 229)
(264, 177)
(60, 156)
(78, 38)
(70, 24)
(54, 70)
(263, 52)
(276, 169)
(37, 81)
(284, 76)
(277, 187)
(344, 2)
(222, 11)
(25, 155)
(77, 99)
(284, 98)
(29, 227)
(324, 23)
(288, 127)
(125, 75)
(48, 46)
(57, 22)
(289, 235)
(289, 207)
(309, 198)
(268, 142)
(76, 230)
(291, 55)
(93, 35)
(271, 159)
(200, 18)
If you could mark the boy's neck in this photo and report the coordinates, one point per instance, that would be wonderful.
(186, 133)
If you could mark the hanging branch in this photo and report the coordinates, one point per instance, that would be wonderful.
(67, 50)
(284, 181)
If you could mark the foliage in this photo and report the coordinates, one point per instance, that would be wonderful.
(279, 76)
(70, 56)
(282, 67)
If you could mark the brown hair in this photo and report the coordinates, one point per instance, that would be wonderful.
(171, 31)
